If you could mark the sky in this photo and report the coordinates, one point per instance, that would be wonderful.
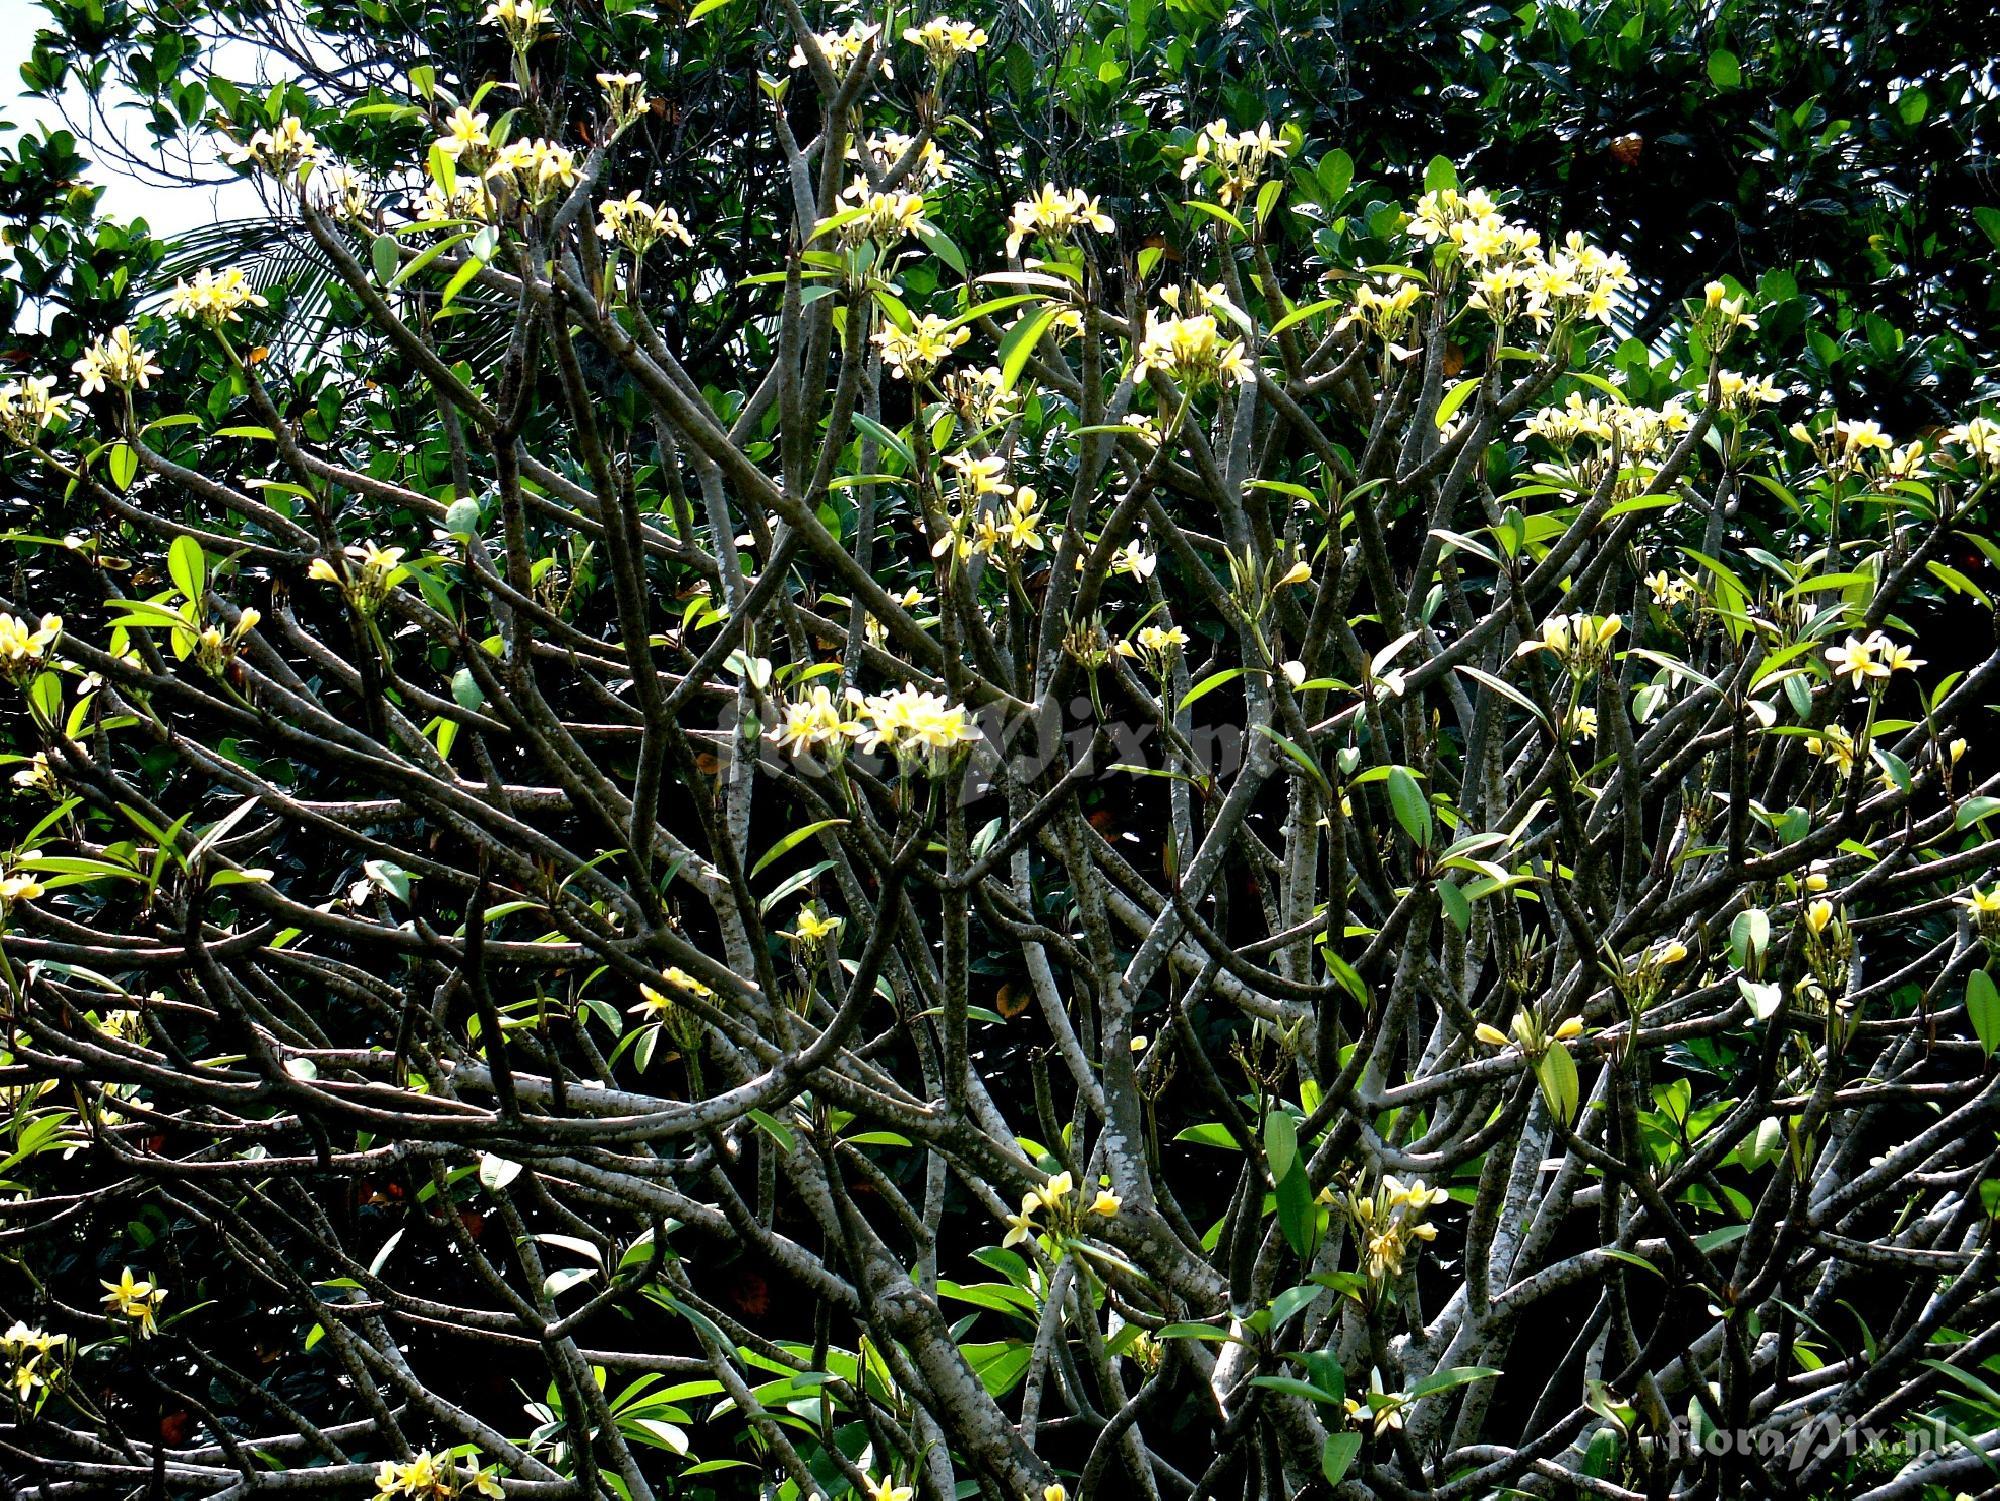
(168, 210)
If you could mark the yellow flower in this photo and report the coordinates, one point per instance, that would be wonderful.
(278, 151)
(214, 298)
(135, 1299)
(23, 648)
(655, 1001)
(523, 21)
(915, 352)
(1857, 660)
(117, 361)
(1054, 1493)
(29, 406)
(1021, 1227)
(1106, 1203)
(913, 723)
(814, 927)
(1818, 916)
(1492, 1036)
(888, 1490)
(945, 41)
(1052, 1193)
(1980, 903)
(19, 888)
(1055, 215)
(639, 226)
(1242, 158)
(1299, 573)
(1193, 351)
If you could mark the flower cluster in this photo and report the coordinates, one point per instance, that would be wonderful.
(1055, 216)
(638, 225)
(1866, 661)
(1058, 1202)
(1386, 307)
(279, 151)
(1980, 438)
(135, 1299)
(115, 360)
(345, 194)
(915, 352)
(1528, 1033)
(624, 96)
(867, 214)
(1155, 646)
(980, 397)
(1985, 909)
(840, 47)
(1829, 949)
(1635, 438)
(1512, 277)
(521, 21)
(366, 585)
(1670, 590)
(1242, 158)
(1390, 1222)
(1581, 642)
(922, 730)
(1725, 314)
(214, 297)
(1193, 351)
(29, 407)
(24, 648)
(1739, 393)
(532, 172)
(885, 150)
(916, 726)
(945, 41)
(433, 1477)
(35, 1358)
(214, 650)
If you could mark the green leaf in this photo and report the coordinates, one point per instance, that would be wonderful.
(793, 840)
(123, 464)
(1444, 1381)
(1208, 685)
(495, 1173)
(1292, 1386)
(188, 567)
(1455, 398)
(1217, 211)
(383, 253)
(1973, 809)
(1020, 343)
(1724, 71)
(1982, 1005)
(1281, 1143)
(1306, 762)
(1411, 807)
(1440, 175)
(1338, 1455)
(1557, 1072)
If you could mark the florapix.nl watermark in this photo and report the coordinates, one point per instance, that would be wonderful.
(1798, 1444)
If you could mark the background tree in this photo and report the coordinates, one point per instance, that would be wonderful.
(974, 775)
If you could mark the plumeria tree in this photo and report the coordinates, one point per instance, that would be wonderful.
(1216, 844)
